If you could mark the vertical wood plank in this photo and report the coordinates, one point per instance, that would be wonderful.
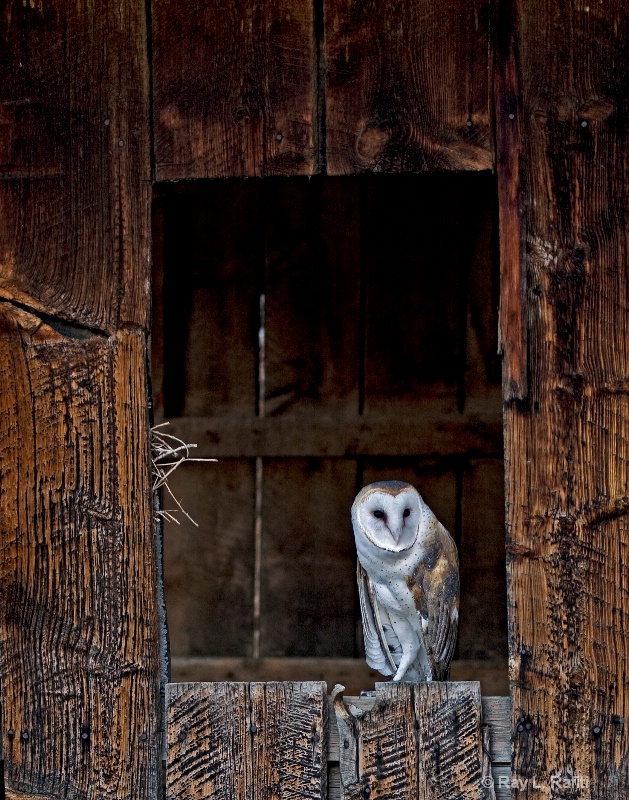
(74, 163)
(308, 558)
(407, 86)
(239, 741)
(312, 292)
(289, 745)
(209, 569)
(209, 741)
(213, 262)
(416, 741)
(566, 438)
(416, 241)
(79, 625)
(483, 622)
(450, 741)
(234, 89)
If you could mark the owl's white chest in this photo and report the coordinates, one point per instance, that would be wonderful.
(388, 572)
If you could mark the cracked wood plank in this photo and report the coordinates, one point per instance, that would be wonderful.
(407, 86)
(567, 427)
(74, 161)
(79, 630)
(234, 89)
(416, 741)
(246, 741)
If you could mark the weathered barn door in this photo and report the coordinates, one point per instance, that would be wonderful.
(79, 632)
(297, 89)
(562, 167)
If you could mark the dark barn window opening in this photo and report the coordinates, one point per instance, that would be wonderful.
(316, 335)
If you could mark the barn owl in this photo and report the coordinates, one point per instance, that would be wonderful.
(408, 583)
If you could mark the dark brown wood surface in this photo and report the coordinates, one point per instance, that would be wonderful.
(566, 436)
(74, 161)
(407, 86)
(235, 89)
(308, 558)
(246, 741)
(78, 619)
(324, 435)
(213, 252)
(414, 741)
(209, 567)
(312, 289)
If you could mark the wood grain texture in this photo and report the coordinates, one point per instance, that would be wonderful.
(496, 715)
(450, 741)
(566, 440)
(79, 626)
(407, 86)
(240, 741)
(234, 89)
(74, 161)
(308, 558)
(323, 435)
(416, 740)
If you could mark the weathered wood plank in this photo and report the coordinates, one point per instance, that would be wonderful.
(74, 161)
(496, 715)
(308, 558)
(566, 436)
(234, 89)
(407, 86)
(449, 716)
(421, 740)
(325, 436)
(209, 750)
(79, 625)
(239, 741)
(209, 569)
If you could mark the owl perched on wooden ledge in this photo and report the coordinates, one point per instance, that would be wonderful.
(408, 582)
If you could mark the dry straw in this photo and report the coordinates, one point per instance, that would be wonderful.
(167, 453)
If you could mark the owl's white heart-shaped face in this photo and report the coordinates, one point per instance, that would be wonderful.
(389, 517)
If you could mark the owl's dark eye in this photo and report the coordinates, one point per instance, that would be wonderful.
(378, 514)
(406, 512)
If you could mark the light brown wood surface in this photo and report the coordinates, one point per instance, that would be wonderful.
(78, 622)
(567, 426)
(407, 86)
(234, 89)
(246, 741)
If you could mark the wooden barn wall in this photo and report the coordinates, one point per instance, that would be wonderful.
(348, 87)
(79, 632)
(561, 117)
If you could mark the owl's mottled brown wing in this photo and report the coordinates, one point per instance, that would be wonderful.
(377, 652)
(435, 589)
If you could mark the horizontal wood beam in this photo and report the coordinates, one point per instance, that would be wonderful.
(300, 437)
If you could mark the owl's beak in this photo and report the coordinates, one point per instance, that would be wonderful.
(396, 533)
